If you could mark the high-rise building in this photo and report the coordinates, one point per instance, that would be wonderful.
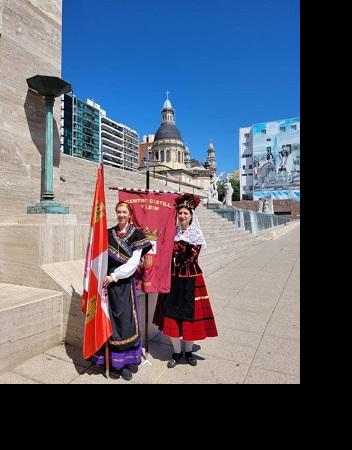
(80, 128)
(120, 144)
(246, 164)
(269, 155)
(86, 129)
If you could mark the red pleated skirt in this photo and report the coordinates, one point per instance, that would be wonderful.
(203, 325)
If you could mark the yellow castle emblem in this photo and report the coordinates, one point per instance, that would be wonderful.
(152, 235)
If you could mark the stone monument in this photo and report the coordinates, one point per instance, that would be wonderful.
(213, 189)
(30, 44)
(49, 88)
(266, 205)
(228, 193)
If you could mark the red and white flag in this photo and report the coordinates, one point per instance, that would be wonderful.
(97, 329)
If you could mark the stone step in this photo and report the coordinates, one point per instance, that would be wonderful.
(226, 236)
(213, 263)
(220, 228)
(30, 323)
(225, 245)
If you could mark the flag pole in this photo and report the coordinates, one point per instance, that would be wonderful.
(147, 173)
(107, 356)
(107, 360)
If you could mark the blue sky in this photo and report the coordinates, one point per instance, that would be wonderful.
(227, 63)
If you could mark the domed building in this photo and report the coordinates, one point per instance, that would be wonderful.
(168, 147)
(170, 157)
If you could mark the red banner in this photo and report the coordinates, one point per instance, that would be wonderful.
(98, 327)
(155, 215)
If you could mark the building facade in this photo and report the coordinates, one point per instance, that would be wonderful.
(170, 157)
(168, 148)
(80, 128)
(86, 129)
(144, 147)
(119, 144)
(269, 155)
(211, 159)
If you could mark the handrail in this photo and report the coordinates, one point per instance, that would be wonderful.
(252, 221)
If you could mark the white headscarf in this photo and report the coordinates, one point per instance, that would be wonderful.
(193, 235)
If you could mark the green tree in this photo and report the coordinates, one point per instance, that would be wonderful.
(221, 190)
(236, 189)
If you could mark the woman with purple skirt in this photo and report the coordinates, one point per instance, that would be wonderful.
(127, 245)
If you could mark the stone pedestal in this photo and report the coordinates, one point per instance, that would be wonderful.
(47, 219)
(47, 207)
(37, 240)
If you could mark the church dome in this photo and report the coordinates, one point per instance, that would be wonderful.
(167, 130)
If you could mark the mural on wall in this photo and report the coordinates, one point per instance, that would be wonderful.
(276, 159)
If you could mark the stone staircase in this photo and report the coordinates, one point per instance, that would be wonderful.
(225, 242)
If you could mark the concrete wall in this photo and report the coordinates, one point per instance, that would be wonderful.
(289, 208)
(30, 44)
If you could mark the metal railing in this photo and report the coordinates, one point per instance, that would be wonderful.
(251, 221)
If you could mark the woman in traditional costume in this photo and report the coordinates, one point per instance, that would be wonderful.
(127, 245)
(185, 312)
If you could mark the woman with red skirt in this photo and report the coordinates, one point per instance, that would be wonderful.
(185, 312)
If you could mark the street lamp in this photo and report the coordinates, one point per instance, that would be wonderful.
(49, 88)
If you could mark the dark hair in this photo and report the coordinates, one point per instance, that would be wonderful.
(185, 207)
(188, 209)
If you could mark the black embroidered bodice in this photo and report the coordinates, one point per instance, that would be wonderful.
(185, 259)
(122, 247)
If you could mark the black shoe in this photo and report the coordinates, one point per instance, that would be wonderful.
(191, 360)
(173, 361)
(132, 367)
(114, 374)
(126, 374)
